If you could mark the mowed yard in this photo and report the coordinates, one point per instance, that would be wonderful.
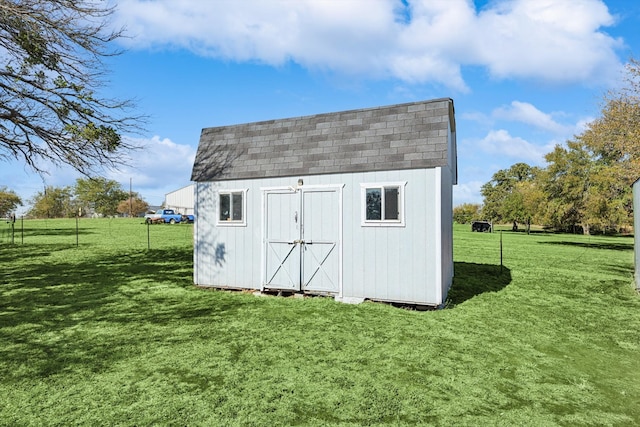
(97, 329)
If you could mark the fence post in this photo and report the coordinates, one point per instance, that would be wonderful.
(501, 252)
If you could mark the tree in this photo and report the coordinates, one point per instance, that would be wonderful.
(50, 110)
(609, 201)
(54, 202)
(9, 201)
(100, 195)
(133, 206)
(613, 141)
(467, 212)
(615, 136)
(502, 200)
(564, 182)
(589, 182)
(533, 200)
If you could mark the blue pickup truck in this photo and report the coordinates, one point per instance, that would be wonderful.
(166, 216)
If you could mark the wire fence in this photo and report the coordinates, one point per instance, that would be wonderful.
(109, 232)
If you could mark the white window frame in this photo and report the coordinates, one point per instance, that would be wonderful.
(230, 222)
(364, 222)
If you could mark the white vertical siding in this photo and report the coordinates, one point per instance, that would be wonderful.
(226, 256)
(402, 264)
(181, 200)
(204, 239)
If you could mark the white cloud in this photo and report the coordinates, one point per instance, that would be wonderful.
(468, 192)
(501, 143)
(582, 125)
(159, 167)
(551, 40)
(430, 41)
(158, 160)
(529, 114)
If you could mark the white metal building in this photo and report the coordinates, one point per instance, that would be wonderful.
(355, 204)
(181, 200)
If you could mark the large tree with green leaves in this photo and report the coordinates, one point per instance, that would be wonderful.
(565, 182)
(588, 181)
(503, 200)
(99, 195)
(54, 202)
(613, 140)
(51, 73)
(9, 201)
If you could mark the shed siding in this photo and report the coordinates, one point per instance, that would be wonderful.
(392, 263)
(382, 263)
(221, 252)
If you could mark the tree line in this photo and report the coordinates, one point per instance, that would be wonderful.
(89, 196)
(587, 183)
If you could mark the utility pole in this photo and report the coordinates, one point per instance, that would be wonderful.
(130, 199)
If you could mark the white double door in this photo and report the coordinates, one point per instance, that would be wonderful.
(302, 238)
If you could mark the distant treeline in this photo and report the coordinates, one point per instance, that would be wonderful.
(587, 183)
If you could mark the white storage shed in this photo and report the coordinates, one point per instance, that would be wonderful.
(354, 204)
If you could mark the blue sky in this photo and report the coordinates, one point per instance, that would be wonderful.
(524, 75)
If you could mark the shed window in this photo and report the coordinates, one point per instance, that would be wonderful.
(382, 204)
(232, 207)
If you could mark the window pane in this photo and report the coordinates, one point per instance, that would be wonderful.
(225, 207)
(391, 203)
(374, 204)
(236, 205)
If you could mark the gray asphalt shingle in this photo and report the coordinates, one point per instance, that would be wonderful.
(403, 136)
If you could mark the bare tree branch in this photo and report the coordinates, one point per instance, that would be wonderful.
(51, 69)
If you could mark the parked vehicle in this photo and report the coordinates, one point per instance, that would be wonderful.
(481, 226)
(165, 216)
(188, 219)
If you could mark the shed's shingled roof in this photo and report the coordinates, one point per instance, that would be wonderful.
(404, 136)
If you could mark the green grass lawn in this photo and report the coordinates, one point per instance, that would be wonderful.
(108, 332)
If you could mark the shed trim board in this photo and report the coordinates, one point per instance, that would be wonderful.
(309, 222)
(383, 222)
(438, 231)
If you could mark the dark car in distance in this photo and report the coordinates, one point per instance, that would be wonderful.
(481, 226)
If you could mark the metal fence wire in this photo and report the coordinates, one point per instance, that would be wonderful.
(105, 231)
